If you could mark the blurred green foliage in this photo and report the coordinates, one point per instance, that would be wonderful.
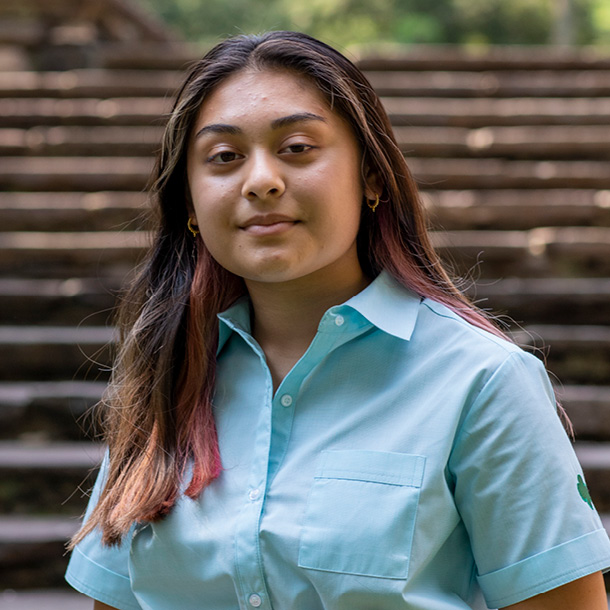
(600, 17)
(349, 22)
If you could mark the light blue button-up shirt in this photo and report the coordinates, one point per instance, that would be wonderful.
(407, 461)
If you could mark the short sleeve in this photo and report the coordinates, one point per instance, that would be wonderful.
(99, 571)
(520, 489)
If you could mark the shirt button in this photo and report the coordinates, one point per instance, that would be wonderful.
(255, 600)
(286, 400)
(339, 320)
(254, 494)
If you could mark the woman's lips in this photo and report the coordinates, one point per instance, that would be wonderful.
(272, 228)
(268, 224)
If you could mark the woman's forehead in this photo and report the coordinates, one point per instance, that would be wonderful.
(276, 90)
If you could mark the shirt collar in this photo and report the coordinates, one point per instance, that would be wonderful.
(387, 305)
(234, 319)
(384, 303)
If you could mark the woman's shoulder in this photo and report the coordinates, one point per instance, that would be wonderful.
(432, 329)
(454, 338)
(438, 315)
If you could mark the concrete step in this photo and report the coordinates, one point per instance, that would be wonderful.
(20, 32)
(487, 112)
(71, 211)
(58, 598)
(48, 411)
(75, 173)
(39, 478)
(516, 142)
(143, 55)
(55, 352)
(90, 83)
(73, 301)
(546, 300)
(488, 83)
(588, 408)
(31, 529)
(32, 551)
(67, 255)
(12, 57)
(576, 354)
(128, 141)
(34, 112)
(509, 174)
(517, 208)
(497, 57)
(540, 252)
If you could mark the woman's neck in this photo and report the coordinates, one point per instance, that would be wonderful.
(286, 315)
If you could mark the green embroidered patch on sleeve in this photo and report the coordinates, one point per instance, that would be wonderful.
(583, 490)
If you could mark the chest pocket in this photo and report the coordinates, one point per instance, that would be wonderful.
(361, 512)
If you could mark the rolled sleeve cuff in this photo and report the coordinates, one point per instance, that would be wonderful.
(114, 590)
(545, 571)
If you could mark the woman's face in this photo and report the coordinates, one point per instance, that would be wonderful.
(275, 180)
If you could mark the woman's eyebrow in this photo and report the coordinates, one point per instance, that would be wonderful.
(218, 128)
(296, 118)
(275, 124)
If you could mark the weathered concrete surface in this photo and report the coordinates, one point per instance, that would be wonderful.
(47, 599)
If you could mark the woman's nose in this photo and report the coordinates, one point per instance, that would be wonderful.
(263, 178)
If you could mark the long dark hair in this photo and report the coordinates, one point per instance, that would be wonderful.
(158, 417)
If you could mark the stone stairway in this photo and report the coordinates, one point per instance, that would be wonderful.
(512, 149)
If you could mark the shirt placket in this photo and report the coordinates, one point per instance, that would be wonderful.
(250, 579)
(271, 440)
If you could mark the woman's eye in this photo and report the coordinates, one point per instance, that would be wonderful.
(225, 156)
(298, 148)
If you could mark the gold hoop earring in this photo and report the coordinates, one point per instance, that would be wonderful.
(191, 228)
(373, 206)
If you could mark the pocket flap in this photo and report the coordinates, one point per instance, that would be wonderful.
(373, 466)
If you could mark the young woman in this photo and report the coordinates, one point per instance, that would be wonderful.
(305, 413)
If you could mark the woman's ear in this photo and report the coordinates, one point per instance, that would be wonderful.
(373, 185)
